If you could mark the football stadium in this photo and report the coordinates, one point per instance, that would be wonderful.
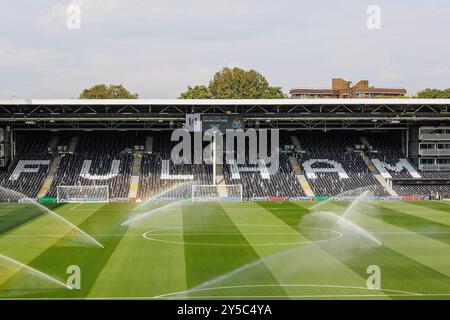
(225, 199)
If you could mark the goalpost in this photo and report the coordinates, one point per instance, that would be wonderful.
(209, 193)
(79, 194)
(216, 192)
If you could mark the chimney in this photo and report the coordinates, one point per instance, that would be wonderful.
(340, 84)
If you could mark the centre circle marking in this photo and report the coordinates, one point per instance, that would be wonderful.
(153, 235)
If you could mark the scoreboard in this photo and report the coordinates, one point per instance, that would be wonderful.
(205, 122)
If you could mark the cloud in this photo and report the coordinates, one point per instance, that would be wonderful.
(159, 47)
(53, 20)
(440, 71)
(12, 57)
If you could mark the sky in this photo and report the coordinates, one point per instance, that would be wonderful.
(159, 47)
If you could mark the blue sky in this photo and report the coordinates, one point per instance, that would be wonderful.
(159, 47)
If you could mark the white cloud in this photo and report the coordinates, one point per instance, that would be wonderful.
(159, 47)
(440, 71)
(53, 20)
(19, 57)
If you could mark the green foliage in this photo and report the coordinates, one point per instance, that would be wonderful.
(434, 94)
(197, 92)
(102, 91)
(235, 83)
(238, 84)
(274, 93)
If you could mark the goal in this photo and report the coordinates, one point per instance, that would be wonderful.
(68, 194)
(209, 193)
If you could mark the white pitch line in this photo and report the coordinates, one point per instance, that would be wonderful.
(231, 209)
(412, 232)
(169, 295)
(76, 206)
(212, 233)
(147, 236)
(422, 295)
(311, 296)
(417, 295)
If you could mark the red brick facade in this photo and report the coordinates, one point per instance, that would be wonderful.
(343, 89)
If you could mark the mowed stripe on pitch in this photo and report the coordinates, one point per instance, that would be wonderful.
(410, 220)
(57, 258)
(224, 250)
(27, 241)
(420, 246)
(438, 213)
(314, 270)
(14, 215)
(140, 267)
(411, 261)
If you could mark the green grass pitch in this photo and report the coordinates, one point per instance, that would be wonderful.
(265, 250)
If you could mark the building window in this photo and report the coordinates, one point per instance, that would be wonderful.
(427, 161)
(443, 161)
(427, 146)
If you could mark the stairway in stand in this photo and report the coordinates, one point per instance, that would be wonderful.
(134, 181)
(51, 174)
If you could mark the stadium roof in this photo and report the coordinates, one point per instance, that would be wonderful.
(155, 114)
(219, 102)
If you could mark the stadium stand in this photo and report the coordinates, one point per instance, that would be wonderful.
(30, 165)
(387, 148)
(335, 152)
(159, 174)
(99, 159)
(332, 162)
(256, 184)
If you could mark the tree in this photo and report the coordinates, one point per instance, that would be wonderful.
(434, 94)
(274, 93)
(235, 83)
(197, 92)
(102, 91)
(238, 84)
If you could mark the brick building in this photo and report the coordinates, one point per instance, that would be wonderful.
(343, 89)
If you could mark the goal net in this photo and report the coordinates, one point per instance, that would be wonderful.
(205, 193)
(82, 194)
